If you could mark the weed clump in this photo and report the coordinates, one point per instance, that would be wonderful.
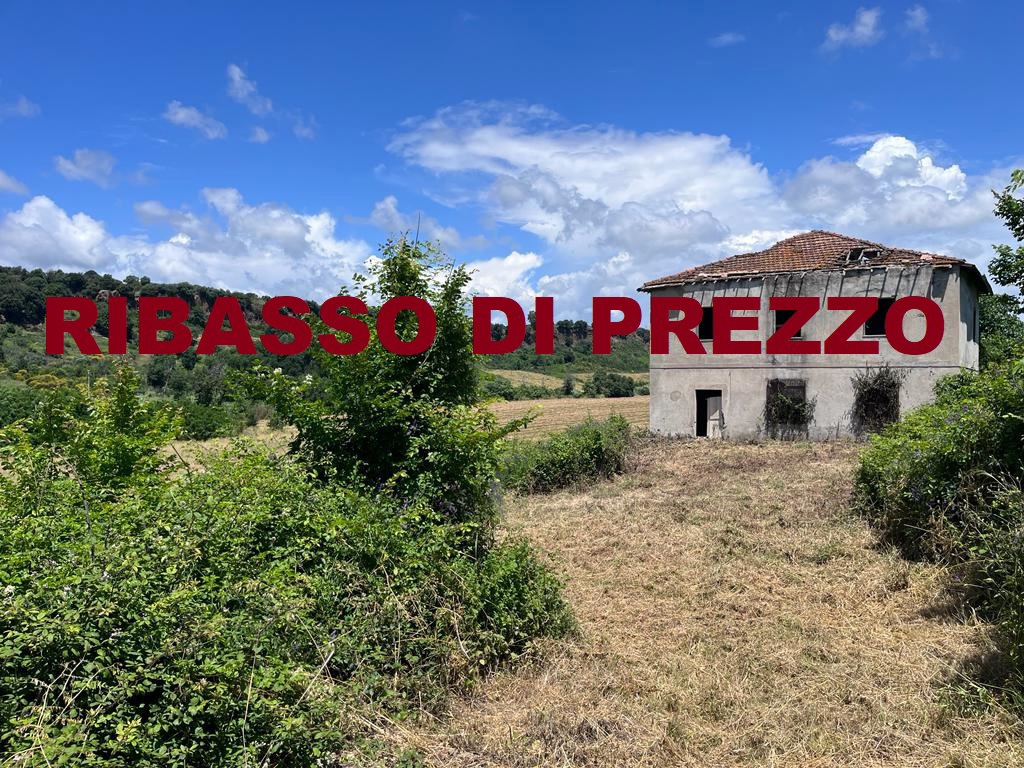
(587, 451)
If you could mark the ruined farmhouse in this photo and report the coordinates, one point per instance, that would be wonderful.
(816, 396)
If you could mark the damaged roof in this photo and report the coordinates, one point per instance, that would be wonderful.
(812, 251)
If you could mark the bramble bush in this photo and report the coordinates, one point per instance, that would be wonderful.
(586, 451)
(257, 610)
(945, 483)
(923, 477)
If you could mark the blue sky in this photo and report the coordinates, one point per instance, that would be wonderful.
(561, 149)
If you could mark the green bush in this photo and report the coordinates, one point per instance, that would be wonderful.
(921, 475)
(237, 615)
(17, 402)
(201, 422)
(945, 484)
(246, 614)
(607, 384)
(589, 450)
(498, 386)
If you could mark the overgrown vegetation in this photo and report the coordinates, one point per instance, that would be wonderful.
(876, 399)
(258, 610)
(605, 384)
(788, 414)
(946, 482)
(588, 451)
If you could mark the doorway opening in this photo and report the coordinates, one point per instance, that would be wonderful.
(710, 419)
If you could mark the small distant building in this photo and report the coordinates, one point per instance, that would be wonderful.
(814, 396)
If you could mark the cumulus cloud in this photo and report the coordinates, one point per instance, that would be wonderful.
(92, 165)
(190, 117)
(388, 217)
(244, 91)
(865, 30)
(590, 189)
(268, 247)
(611, 208)
(259, 135)
(916, 19)
(598, 210)
(10, 184)
(21, 107)
(510, 275)
(726, 39)
(897, 193)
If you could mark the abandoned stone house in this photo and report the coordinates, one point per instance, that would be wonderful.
(815, 396)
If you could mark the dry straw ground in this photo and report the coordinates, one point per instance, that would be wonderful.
(557, 414)
(732, 613)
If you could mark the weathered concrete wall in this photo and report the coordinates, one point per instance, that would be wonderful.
(743, 379)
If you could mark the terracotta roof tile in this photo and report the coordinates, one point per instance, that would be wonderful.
(810, 251)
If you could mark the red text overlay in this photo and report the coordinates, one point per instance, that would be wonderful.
(162, 329)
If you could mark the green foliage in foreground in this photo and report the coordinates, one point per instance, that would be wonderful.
(945, 483)
(237, 615)
(258, 611)
(585, 452)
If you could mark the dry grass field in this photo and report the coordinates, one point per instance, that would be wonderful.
(553, 382)
(557, 414)
(731, 613)
(520, 378)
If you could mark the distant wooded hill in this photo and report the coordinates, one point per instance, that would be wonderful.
(23, 295)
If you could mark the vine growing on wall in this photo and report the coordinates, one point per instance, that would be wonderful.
(876, 399)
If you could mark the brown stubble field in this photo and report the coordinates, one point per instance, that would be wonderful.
(557, 414)
(732, 613)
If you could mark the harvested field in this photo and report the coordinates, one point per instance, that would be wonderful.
(732, 613)
(533, 378)
(554, 382)
(559, 413)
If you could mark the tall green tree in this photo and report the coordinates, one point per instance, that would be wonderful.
(1001, 328)
(1007, 267)
(406, 425)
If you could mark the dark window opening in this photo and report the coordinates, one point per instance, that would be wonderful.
(875, 326)
(706, 329)
(710, 419)
(781, 316)
(787, 411)
(861, 255)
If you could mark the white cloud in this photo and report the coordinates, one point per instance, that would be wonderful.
(863, 31)
(92, 165)
(726, 39)
(386, 216)
(589, 189)
(859, 139)
(244, 91)
(304, 127)
(897, 160)
(268, 248)
(22, 107)
(259, 135)
(896, 193)
(916, 19)
(40, 234)
(190, 117)
(605, 209)
(613, 208)
(10, 184)
(509, 275)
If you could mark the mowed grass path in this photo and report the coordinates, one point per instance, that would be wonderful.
(558, 413)
(732, 613)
